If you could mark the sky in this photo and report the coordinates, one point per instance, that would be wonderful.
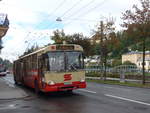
(33, 21)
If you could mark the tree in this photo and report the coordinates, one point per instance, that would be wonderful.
(128, 63)
(116, 62)
(137, 22)
(77, 38)
(29, 50)
(59, 36)
(107, 36)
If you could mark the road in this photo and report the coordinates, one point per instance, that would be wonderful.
(96, 98)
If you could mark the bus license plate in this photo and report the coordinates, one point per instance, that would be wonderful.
(67, 83)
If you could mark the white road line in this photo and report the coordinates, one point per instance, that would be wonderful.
(116, 88)
(87, 91)
(122, 98)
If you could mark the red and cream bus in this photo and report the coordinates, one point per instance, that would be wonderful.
(52, 68)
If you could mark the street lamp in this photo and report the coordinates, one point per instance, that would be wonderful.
(58, 19)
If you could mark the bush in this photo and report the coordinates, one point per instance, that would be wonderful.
(128, 63)
(116, 62)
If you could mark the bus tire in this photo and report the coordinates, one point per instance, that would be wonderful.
(69, 91)
(22, 81)
(36, 87)
(16, 83)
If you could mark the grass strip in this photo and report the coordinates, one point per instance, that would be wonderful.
(114, 82)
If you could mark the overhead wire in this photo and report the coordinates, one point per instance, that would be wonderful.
(100, 4)
(61, 3)
(79, 10)
(86, 5)
(74, 5)
(89, 3)
(56, 9)
(29, 32)
(91, 9)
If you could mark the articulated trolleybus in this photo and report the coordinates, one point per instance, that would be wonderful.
(52, 68)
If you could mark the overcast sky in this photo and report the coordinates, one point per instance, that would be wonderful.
(32, 21)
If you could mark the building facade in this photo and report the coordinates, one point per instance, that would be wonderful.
(136, 57)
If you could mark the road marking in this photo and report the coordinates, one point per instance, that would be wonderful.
(11, 106)
(87, 91)
(116, 88)
(122, 98)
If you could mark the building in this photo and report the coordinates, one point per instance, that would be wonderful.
(136, 57)
(95, 39)
(4, 26)
(147, 63)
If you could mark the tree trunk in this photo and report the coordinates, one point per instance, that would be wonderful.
(143, 64)
(105, 62)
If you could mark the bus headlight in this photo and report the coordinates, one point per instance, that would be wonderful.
(51, 83)
(82, 80)
(43, 80)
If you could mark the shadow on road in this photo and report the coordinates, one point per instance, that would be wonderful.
(49, 95)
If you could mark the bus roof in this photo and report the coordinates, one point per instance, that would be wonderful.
(56, 47)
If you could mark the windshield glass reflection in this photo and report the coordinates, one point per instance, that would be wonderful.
(65, 61)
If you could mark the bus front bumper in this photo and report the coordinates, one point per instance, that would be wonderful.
(63, 86)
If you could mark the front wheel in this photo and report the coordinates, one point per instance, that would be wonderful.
(16, 83)
(69, 91)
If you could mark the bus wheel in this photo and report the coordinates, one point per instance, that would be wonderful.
(36, 87)
(69, 91)
(22, 82)
(16, 83)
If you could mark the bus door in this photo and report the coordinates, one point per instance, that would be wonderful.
(19, 72)
(40, 72)
(22, 73)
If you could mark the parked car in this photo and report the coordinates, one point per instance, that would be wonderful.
(3, 73)
(2, 70)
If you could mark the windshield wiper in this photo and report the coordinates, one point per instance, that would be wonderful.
(72, 67)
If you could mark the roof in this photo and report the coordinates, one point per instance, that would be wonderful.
(49, 48)
(39, 50)
(146, 59)
(136, 52)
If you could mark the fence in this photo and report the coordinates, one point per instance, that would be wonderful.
(122, 72)
(118, 69)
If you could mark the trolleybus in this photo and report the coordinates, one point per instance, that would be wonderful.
(52, 68)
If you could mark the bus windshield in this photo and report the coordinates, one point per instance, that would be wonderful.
(74, 61)
(65, 61)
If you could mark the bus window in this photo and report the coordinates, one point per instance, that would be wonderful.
(56, 61)
(74, 60)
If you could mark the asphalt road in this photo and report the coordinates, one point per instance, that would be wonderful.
(96, 98)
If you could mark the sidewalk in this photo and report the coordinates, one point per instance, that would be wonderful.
(9, 91)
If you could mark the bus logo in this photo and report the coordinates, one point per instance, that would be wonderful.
(67, 77)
